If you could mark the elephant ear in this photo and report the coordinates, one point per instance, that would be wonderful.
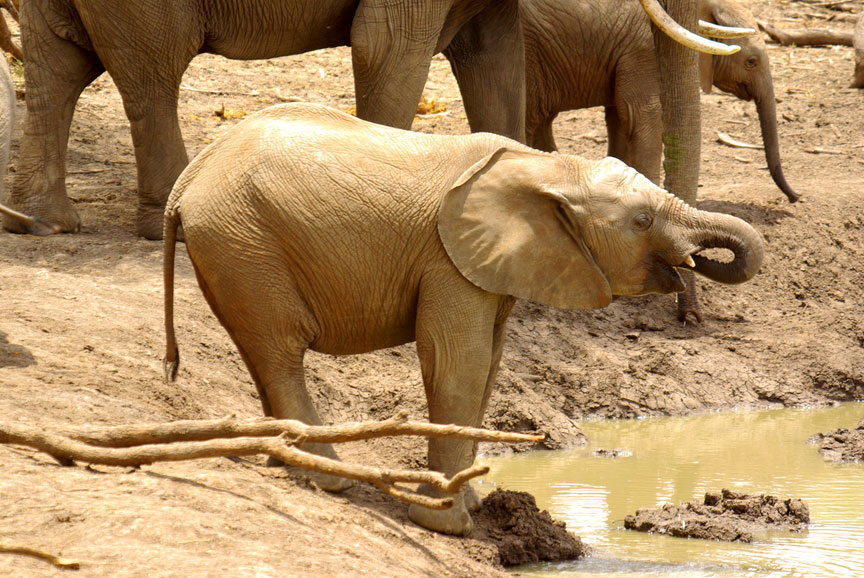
(509, 229)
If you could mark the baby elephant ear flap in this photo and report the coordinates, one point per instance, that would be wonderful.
(509, 229)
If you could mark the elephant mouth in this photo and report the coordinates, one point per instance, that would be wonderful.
(667, 278)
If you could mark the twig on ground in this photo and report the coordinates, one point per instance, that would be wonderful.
(57, 561)
(821, 151)
(218, 91)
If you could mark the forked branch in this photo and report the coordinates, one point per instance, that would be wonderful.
(188, 440)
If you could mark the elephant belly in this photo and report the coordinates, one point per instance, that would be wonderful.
(360, 327)
(256, 29)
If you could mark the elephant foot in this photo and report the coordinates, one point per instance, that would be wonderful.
(62, 220)
(688, 300)
(455, 520)
(150, 222)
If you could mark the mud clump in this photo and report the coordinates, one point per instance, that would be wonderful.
(842, 445)
(522, 533)
(725, 516)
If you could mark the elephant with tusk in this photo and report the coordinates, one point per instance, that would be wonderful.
(146, 46)
(602, 54)
(310, 229)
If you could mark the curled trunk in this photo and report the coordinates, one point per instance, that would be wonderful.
(702, 230)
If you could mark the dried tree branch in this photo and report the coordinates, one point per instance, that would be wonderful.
(138, 445)
(196, 430)
(807, 36)
(57, 561)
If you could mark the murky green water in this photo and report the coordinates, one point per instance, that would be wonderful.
(679, 459)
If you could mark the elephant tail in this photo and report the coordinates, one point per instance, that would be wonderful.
(171, 362)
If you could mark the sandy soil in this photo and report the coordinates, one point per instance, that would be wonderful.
(81, 337)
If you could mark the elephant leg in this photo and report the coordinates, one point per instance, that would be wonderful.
(456, 358)
(487, 56)
(160, 155)
(542, 137)
(391, 65)
(57, 71)
(617, 139)
(639, 115)
(272, 331)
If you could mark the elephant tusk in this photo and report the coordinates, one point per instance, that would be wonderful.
(683, 36)
(712, 30)
(690, 262)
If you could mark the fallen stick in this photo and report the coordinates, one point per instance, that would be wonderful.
(807, 36)
(57, 561)
(821, 151)
(197, 430)
(230, 437)
(729, 141)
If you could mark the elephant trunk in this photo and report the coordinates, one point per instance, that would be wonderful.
(767, 110)
(703, 230)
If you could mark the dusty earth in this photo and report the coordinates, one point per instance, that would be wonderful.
(726, 515)
(842, 445)
(81, 336)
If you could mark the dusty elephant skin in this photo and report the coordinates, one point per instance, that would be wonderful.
(726, 516)
(147, 46)
(585, 54)
(342, 237)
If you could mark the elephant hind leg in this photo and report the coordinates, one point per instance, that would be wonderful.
(542, 137)
(271, 327)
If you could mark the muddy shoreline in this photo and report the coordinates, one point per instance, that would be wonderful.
(81, 338)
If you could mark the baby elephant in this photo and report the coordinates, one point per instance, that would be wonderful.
(311, 229)
(601, 53)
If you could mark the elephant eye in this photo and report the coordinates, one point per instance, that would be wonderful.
(751, 62)
(642, 221)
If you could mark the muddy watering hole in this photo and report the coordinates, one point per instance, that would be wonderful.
(673, 460)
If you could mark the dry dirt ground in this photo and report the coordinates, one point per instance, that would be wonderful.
(81, 337)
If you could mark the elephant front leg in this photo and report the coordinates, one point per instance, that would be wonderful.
(57, 71)
(459, 359)
(392, 44)
(488, 61)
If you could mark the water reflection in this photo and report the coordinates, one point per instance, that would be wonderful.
(679, 459)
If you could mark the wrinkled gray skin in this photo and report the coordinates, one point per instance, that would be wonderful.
(146, 45)
(858, 43)
(601, 53)
(387, 236)
(26, 223)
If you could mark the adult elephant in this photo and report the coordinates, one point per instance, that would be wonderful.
(26, 223)
(387, 237)
(602, 54)
(146, 46)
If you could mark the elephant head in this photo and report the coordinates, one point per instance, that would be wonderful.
(747, 75)
(567, 232)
